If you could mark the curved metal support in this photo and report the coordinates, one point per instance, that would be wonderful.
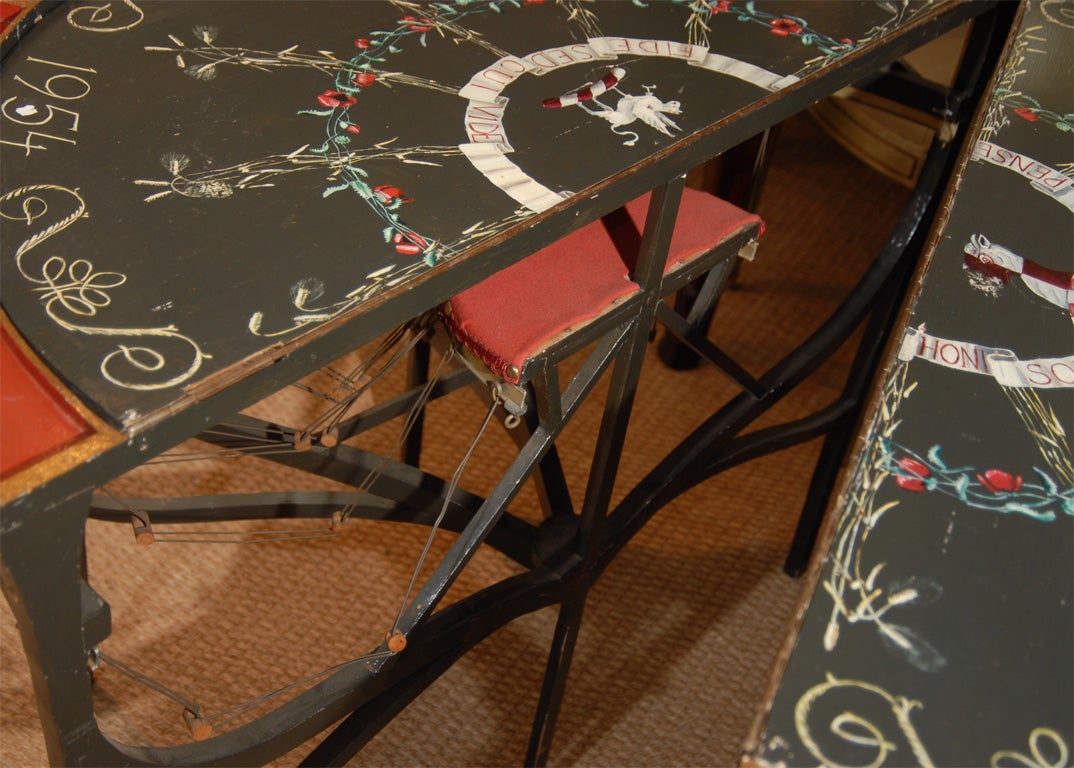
(713, 447)
(63, 686)
(49, 603)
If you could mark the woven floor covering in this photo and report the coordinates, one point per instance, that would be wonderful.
(679, 635)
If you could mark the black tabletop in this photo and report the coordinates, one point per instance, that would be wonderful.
(189, 184)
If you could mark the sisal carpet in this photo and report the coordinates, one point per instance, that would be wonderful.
(679, 635)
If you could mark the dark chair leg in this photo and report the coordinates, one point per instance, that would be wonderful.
(418, 375)
(555, 680)
(552, 487)
(741, 180)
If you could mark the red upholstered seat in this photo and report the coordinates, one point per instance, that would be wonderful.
(508, 318)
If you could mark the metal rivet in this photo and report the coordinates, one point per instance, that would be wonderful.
(512, 372)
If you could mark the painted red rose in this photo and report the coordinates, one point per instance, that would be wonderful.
(785, 27)
(364, 79)
(409, 245)
(336, 99)
(998, 481)
(388, 193)
(416, 24)
(1026, 114)
(915, 471)
(363, 43)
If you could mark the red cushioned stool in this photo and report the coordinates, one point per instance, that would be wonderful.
(513, 328)
(536, 306)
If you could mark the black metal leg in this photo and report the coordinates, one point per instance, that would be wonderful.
(659, 224)
(598, 495)
(837, 441)
(552, 490)
(555, 681)
(985, 39)
(820, 487)
(43, 582)
(418, 375)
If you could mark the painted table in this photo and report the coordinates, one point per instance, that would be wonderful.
(202, 203)
(941, 627)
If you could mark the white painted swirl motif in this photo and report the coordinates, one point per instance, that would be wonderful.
(73, 292)
(100, 18)
(850, 728)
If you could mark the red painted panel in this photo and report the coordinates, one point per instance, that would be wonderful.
(35, 420)
(8, 13)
